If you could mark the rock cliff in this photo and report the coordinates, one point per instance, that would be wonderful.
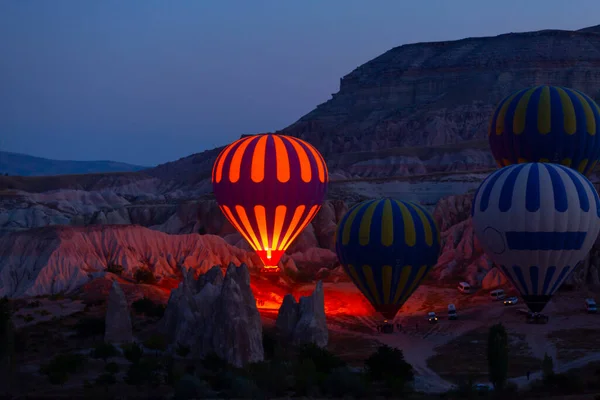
(428, 94)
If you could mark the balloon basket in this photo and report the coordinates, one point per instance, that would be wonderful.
(385, 327)
(270, 270)
(537, 318)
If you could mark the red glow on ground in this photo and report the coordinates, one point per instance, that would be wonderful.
(340, 298)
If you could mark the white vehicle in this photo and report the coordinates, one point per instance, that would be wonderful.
(497, 294)
(511, 301)
(431, 317)
(590, 306)
(452, 312)
(464, 287)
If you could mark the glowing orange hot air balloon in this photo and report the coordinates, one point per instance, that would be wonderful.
(270, 187)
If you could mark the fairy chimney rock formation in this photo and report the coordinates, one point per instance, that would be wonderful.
(304, 322)
(216, 314)
(118, 318)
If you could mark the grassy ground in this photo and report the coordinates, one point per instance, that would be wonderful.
(468, 354)
(572, 344)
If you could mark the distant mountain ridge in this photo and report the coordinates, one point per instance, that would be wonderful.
(26, 165)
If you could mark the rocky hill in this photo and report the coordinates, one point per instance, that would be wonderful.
(25, 165)
(409, 124)
(429, 94)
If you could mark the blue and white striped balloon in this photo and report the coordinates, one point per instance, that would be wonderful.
(536, 222)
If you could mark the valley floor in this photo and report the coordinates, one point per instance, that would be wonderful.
(436, 351)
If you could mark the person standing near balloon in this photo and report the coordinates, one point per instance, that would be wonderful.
(270, 187)
(546, 124)
(387, 247)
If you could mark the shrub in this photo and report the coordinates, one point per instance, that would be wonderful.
(90, 327)
(148, 307)
(8, 338)
(112, 368)
(34, 304)
(57, 296)
(132, 352)
(565, 384)
(307, 377)
(145, 371)
(59, 367)
(269, 344)
(106, 379)
(239, 387)
(270, 377)
(115, 269)
(182, 350)
(324, 360)
(388, 365)
(104, 351)
(173, 371)
(212, 362)
(343, 382)
(144, 275)
(156, 342)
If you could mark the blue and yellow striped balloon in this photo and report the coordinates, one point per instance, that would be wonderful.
(547, 124)
(536, 222)
(387, 247)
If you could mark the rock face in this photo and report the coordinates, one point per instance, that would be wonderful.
(54, 259)
(493, 279)
(429, 94)
(216, 315)
(304, 322)
(118, 317)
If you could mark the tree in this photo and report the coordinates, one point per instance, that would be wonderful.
(547, 367)
(387, 364)
(132, 352)
(7, 344)
(498, 356)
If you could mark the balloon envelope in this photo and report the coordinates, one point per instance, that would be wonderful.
(270, 187)
(536, 221)
(387, 247)
(546, 124)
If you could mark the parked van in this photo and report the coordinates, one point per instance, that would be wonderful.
(452, 312)
(464, 287)
(590, 305)
(497, 294)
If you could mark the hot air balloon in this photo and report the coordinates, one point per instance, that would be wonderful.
(536, 222)
(387, 247)
(270, 187)
(547, 124)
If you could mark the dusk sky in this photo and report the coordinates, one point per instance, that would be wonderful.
(146, 82)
